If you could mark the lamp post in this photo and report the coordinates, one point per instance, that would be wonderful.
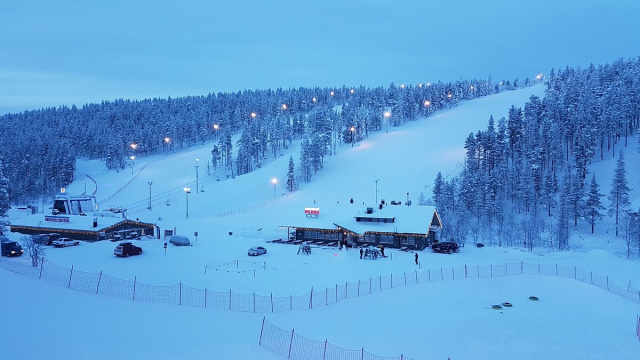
(353, 128)
(197, 166)
(150, 183)
(275, 182)
(187, 191)
(216, 127)
(166, 144)
(387, 115)
(377, 190)
(133, 158)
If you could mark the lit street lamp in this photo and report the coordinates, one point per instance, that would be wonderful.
(387, 115)
(133, 158)
(167, 140)
(353, 128)
(275, 182)
(150, 183)
(197, 166)
(377, 191)
(187, 191)
(216, 127)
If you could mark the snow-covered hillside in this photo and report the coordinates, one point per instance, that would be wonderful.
(428, 321)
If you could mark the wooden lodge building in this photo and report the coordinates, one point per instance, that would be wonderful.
(394, 226)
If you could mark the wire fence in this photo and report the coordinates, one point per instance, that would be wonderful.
(288, 343)
(181, 294)
(291, 345)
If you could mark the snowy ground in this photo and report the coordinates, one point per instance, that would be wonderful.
(426, 321)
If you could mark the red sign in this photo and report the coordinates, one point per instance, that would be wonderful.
(312, 211)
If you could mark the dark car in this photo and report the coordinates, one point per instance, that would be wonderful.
(11, 248)
(126, 248)
(445, 247)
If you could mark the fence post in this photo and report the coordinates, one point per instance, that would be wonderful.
(521, 267)
(205, 297)
(311, 299)
(575, 272)
(556, 269)
(405, 278)
(465, 271)
(180, 298)
(271, 302)
(453, 273)
(41, 266)
(607, 282)
(429, 273)
(491, 272)
(261, 330)
(99, 278)
(135, 278)
(324, 354)
(478, 270)
(336, 292)
(362, 354)
(441, 275)
(291, 343)
(416, 276)
(230, 298)
(70, 274)
(392, 280)
(370, 285)
(591, 277)
(254, 302)
(538, 268)
(380, 282)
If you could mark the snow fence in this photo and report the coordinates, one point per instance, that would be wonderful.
(180, 294)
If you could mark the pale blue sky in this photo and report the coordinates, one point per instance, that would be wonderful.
(56, 53)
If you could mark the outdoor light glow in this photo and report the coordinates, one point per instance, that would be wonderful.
(167, 139)
(134, 146)
(387, 114)
(402, 86)
(313, 99)
(187, 190)
(352, 91)
(353, 128)
(332, 93)
(132, 157)
(427, 103)
(274, 181)
(284, 106)
(449, 95)
(216, 126)
(253, 115)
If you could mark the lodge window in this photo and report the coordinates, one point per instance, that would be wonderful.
(386, 239)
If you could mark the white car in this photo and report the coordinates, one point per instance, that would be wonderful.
(64, 242)
(257, 250)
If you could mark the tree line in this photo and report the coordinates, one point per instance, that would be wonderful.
(527, 178)
(39, 148)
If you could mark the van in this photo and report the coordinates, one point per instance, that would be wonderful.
(179, 240)
(11, 248)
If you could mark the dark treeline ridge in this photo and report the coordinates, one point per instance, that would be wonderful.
(39, 148)
(526, 179)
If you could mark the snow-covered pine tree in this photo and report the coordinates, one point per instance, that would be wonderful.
(291, 176)
(4, 193)
(619, 195)
(593, 204)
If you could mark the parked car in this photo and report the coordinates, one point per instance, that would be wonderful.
(257, 250)
(42, 239)
(127, 248)
(52, 237)
(445, 247)
(179, 240)
(11, 248)
(64, 242)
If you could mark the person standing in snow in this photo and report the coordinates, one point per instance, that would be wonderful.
(361, 252)
(416, 258)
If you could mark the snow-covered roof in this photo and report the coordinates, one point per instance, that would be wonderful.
(406, 219)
